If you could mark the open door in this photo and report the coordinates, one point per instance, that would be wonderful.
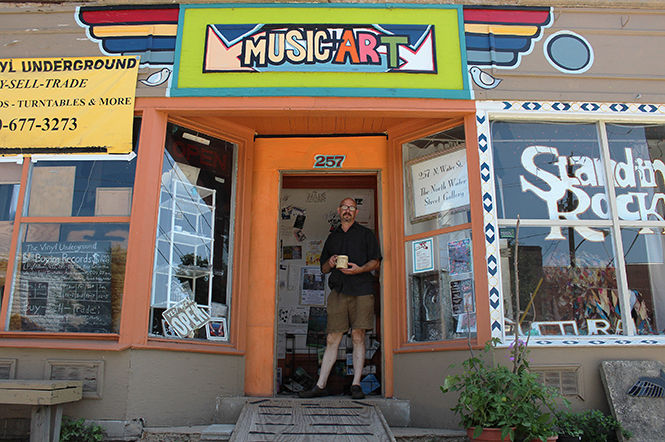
(308, 213)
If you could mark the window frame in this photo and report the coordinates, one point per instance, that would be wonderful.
(235, 176)
(598, 114)
(22, 218)
(411, 132)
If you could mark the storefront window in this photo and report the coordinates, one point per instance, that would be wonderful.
(548, 171)
(566, 287)
(69, 277)
(441, 287)
(68, 273)
(193, 248)
(646, 279)
(639, 171)
(436, 193)
(82, 188)
(569, 276)
(441, 299)
(10, 181)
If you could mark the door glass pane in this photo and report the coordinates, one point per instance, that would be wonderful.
(441, 293)
(548, 171)
(192, 251)
(69, 278)
(645, 267)
(436, 192)
(639, 172)
(567, 286)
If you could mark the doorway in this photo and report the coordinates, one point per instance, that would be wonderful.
(273, 159)
(308, 213)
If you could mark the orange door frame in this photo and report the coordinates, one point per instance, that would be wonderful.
(273, 156)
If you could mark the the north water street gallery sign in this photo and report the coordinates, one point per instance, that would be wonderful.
(67, 105)
(320, 50)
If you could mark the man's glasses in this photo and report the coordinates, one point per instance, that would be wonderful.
(351, 208)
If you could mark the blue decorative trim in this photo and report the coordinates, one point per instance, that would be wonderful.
(584, 107)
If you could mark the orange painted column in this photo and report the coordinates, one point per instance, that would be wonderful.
(259, 331)
(271, 156)
(142, 230)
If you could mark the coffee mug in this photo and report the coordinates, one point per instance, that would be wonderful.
(342, 261)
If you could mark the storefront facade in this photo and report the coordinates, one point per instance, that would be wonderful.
(446, 123)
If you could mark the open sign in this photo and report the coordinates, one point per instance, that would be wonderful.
(185, 317)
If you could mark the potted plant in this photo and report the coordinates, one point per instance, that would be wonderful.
(512, 402)
(588, 426)
(568, 428)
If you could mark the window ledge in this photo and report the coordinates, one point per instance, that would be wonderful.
(192, 346)
(73, 341)
(415, 347)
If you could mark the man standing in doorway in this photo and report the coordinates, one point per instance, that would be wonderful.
(351, 300)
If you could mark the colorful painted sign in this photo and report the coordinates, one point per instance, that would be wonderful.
(333, 50)
(67, 105)
(494, 36)
(320, 48)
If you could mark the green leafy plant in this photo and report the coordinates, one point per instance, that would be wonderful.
(567, 423)
(590, 426)
(76, 430)
(493, 396)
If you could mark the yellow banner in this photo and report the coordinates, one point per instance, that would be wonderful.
(67, 105)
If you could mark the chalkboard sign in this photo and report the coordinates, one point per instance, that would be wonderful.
(65, 286)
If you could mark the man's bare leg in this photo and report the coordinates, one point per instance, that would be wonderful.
(358, 337)
(329, 357)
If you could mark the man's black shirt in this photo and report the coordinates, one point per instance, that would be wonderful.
(361, 246)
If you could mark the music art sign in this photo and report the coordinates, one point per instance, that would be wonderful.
(321, 49)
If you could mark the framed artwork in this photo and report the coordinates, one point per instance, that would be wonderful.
(216, 329)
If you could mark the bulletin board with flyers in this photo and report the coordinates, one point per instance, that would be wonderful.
(306, 218)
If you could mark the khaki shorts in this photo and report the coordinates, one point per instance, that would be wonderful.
(347, 311)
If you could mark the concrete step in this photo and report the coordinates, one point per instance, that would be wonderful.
(397, 412)
(222, 432)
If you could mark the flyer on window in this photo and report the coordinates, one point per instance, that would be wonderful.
(423, 255)
(459, 254)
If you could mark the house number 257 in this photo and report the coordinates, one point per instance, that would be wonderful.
(328, 161)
